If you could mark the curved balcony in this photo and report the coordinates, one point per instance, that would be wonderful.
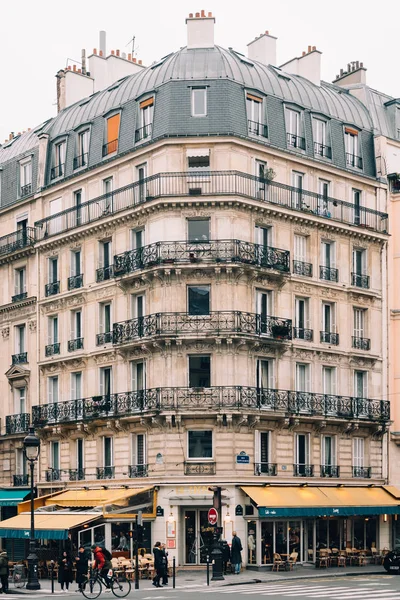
(215, 323)
(208, 252)
(18, 423)
(212, 399)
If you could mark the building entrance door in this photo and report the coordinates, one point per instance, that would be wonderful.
(198, 536)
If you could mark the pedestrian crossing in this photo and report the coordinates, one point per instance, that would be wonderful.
(357, 591)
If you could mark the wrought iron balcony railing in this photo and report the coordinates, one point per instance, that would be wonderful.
(51, 289)
(104, 338)
(53, 475)
(76, 344)
(18, 423)
(208, 252)
(302, 268)
(18, 240)
(302, 470)
(361, 281)
(57, 171)
(20, 480)
(361, 343)
(255, 128)
(76, 474)
(330, 471)
(303, 334)
(211, 184)
(218, 322)
(19, 359)
(110, 148)
(143, 132)
(362, 472)
(25, 190)
(289, 402)
(138, 471)
(81, 161)
(328, 337)
(105, 472)
(352, 160)
(269, 469)
(52, 349)
(328, 273)
(199, 468)
(75, 281)
(19, 297)
(295, 141)
(104, 273)
(322, 150)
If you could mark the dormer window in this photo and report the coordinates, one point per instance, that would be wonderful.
(255, 119)
(322, 147)
(112, 133)
(353, 158)
(294, 136)
(145, 120)
(82, 157)
(58, 169)
(25, 177)
(199, 102)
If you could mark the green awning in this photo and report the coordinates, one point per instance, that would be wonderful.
(327, 511)
(12, 497)
(48, 526)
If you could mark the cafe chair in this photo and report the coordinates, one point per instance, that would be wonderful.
(278, 563)
(323, 559)
(341, 559)
(292, 560)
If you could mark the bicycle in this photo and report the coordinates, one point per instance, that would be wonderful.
(93, 587)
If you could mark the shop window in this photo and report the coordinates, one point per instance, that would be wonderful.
(251, 542)
(199, 371)
(198, 299)
(200, 444)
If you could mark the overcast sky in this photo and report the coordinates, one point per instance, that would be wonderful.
(37, 38)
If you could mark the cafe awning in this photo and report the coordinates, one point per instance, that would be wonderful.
(310, 501)
(49, 526)
(12, 497)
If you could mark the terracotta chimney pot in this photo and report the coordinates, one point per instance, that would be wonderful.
(101, 53)
(117, 52)
(94, 50)
(190, 15)
(139, 62)
(197, 15)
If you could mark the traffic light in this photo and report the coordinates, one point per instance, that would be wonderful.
(137, 533)
(216, 497)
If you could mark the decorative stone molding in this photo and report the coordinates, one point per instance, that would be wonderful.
(32, 326)
(107, 357)
(5, 332)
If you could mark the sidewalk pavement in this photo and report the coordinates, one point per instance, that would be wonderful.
(198, 578)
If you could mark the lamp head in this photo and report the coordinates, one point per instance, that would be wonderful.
(32, 445)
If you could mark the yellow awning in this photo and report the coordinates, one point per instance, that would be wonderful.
(52, 526)
(291, 501)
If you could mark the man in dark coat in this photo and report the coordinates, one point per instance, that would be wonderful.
(158, 564)
(65, 570)
(236, 557)
(4, 572)
(82, 567)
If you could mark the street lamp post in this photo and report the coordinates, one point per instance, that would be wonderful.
(31, 450)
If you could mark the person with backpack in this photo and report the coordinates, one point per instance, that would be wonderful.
(102, 562)
(4, 572)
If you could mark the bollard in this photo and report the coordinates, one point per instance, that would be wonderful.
(52, 575)
(208, 570)
(173, 572)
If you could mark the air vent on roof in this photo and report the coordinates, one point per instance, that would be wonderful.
(280, 73)
(161, 61)
(242, 57)
(10, 143)
(85, 101)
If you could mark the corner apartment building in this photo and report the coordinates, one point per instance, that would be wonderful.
(195, 294)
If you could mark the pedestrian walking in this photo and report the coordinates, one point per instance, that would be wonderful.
(82, 567)
(65, 571)
(4, 572)
(236, 549)
(158, 564)
(165, 564)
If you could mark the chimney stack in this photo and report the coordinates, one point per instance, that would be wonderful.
(200, 30)
(263, 49)
(355, 73)
(308, 65)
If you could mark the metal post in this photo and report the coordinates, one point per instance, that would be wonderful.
(208, 570)
(52, 575)
(136, 556)
(33, 581)
(173, 572)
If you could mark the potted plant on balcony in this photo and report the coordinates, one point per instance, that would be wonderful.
(280, 331)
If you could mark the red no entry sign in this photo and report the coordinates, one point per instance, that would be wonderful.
(212, 516)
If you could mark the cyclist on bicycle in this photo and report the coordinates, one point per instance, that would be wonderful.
(102, 563)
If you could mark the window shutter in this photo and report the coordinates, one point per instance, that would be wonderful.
(113, 128)
(73, 387)
(148, 102)
(257, 444)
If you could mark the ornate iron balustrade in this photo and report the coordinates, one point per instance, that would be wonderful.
(330, 471)
(138, 471)
(361, 343)
(199, 468)
(143, 132)
(105, 472)
(104, 273)
(269, 469)
(57, 171)
(25, 190)
(362, 472)
(352, 160)
(81, 161)
(213, 183)
(76, 474)
(303, 334)
(76, 344)
(209, 252)
(19, 359)
(302, 268)
(53, 475)
(295, 141)
(322, 150)
(52, 349)
(20, 480)
(110, 148)
(328, 273)
(327, 337)
(361, 281)
(302, 470)
(185, 324)
(255, 128)
(22, 238)
(51, 289)
(18, 423)
(75, 281)
(104, 338)
(211, 399)
(19, 297)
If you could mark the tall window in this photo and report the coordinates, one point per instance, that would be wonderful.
(80, 457)
(358, 452)
(137, 239)
(138, 306)
(298, 201)
(20, 281)
(329, 381)
(293, 129)
(78, 208)
(319, 134)
(75, 266)
(138, 375)
(359, 322)
(139, 452)
(105, 319)
(265, 374)
(59, 160)
(105, 271)
(200, 444)
(25, 177)
(53, 269)
(76, 385)
(360, 384)
(112, 134)
(255, 117)
(302, 377)
(146, 116)
(108, 451)
(199, 371)
(20, 400)
(106, 381)
(20, 331)
(56, 223)
(302, 319)
(198, 298)
(323, 196)
(351, 146)
(20, 462)
(198, 230)
(357, 206)
(328, 451)
(76, 325)
(53, 330)
(54, 455)
(263, 235)
(52, 389)
(302, 453)
(199, 102)
(108, 186)
(140, 190)
(260, 183)
(83, 149)
(262, 451)
(328, 254)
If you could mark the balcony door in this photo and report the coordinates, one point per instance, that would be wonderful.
(263, 309)
(199, 371)
(138, 376)
(20, 400)
(302, 320)
(302, 452)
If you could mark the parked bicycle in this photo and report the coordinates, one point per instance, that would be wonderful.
(92, 588)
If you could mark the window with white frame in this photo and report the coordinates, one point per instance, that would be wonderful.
(357, 204)
(52, 389)
(55, 224)
(106, 381)
(21, 467)
(59, 160)
(105, 271)
(328, 451)
(82, 157)
(53, 269)
(328, 317)
(108, 188)
(54, 455)
(263, 235)
(359, 261)
(138, 375)
(108, 451)
(52, 330)
(324, 191)
(263, 452)
(321, 139)
(20, 400)
(199, 102)
(20, 337)
(140, 189)
(351, 146)
(359, 323)
(138, 464)
(76, 262)
(200, 444)
(303, 377)
(198, 230)
(302, 455)
(146, 108)
(294, 132)
(361, 384)
(25, 176)
(260, 173)
(138, 305)
(137, 239)
(302, 319)
(264, 310)
(265, 373)
(300, 248)
(198, 161)
(358, 451)
(20, 281)
(298, 197)
(76, 385)
(105, 317)
(328, 254)
(76, 216)
(76, 325)
(329, 381)
(255, 115)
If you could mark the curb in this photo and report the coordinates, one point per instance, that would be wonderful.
(298, 577)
